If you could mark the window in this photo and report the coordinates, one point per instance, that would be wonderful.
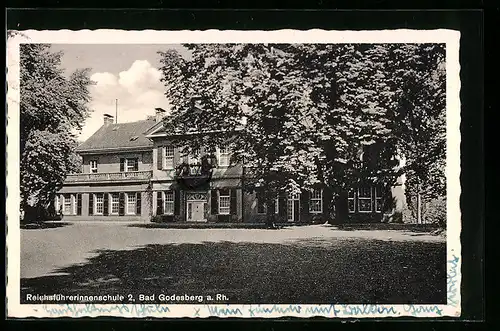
(131, 202)
(115, 203)
(130, 164)
(93, 166)
(261, 205)
(316, 202)
(194, 157)
(223, 157)
(351, 201)
(168, 198)
(224, 202)
(378, 199)
(99, 203)
(364, 199)
(169, 157)
(68, 204)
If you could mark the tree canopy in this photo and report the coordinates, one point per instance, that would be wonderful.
(305, 112)
(52, 107)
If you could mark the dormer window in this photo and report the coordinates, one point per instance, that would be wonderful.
(129, 164)
(93, 166)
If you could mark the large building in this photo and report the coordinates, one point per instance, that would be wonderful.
(134, 172)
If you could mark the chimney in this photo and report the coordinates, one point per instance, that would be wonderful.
(160, 113)
(108, 119)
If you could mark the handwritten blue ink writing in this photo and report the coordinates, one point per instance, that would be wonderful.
(216, 311)
(323, 310)
(352, 310)
(416, 309)
(88, 309)
(274, 309)
(452, 282)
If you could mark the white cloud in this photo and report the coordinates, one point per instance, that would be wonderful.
(138, 90)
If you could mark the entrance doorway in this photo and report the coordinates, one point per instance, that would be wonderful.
(196, 207)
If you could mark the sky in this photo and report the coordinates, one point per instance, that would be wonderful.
(125, 72)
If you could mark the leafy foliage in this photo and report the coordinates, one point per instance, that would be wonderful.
(420, 116)
(312, 115)
(51, 108)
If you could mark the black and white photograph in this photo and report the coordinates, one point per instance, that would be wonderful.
(221, 175)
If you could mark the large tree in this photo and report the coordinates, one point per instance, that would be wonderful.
(349, 101)
(310, 110)
(418, 118)
(52, 108)
(257, 90)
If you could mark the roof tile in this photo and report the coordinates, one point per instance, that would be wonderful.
(114, 136)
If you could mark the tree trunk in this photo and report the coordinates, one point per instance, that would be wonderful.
(419, 205)
(327, 205)
(341, 209)
(270, 210)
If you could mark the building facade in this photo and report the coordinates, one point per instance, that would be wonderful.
(134, 172)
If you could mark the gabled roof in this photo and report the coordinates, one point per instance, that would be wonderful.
(130, 135)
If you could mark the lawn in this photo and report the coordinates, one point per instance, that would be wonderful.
(312, 264)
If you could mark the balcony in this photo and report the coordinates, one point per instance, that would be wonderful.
(194, 175)
(129, 176)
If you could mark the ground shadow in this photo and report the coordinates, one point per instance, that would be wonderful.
(44, 225)
(193, 225)
(302, 272)
(416, 228)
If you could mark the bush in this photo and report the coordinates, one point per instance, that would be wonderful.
(317, 219)
(395, 217)
(39, 214)
(433, 211)
(165, 218)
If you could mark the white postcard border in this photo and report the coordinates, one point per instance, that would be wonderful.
(449, 37)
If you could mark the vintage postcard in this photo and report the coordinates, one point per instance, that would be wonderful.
(248, 174)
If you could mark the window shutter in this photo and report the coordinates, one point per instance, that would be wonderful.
(105, 204)
(121, 210)
(122, 165)
(259, 197)
(327, 201)
(55, 204)
(282, 206)
(53, 207)
(296, 211)
(176, 156)
(304, 201)
(233, 203)
(159, 203)
(177, 202)
(79, 204)
(160, 158)
(136, 166)
(138, 203)
(60, 203)
(91, 204)
(214, 205)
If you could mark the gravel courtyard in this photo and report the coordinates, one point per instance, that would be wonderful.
(307, 264)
